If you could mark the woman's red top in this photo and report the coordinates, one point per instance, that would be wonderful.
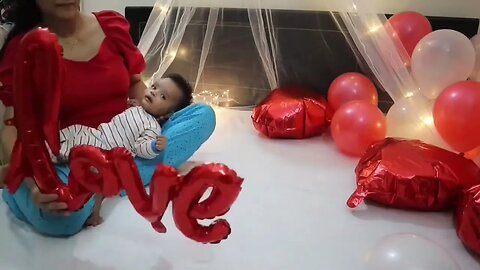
(95, 90)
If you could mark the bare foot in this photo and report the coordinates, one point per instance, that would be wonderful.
(94, 220)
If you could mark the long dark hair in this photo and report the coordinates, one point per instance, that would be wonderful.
(25, 14)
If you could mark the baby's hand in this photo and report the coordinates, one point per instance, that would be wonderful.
(161, 143)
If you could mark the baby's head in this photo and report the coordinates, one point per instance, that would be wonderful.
(166, 95)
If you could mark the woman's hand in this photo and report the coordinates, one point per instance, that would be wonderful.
(47, 202)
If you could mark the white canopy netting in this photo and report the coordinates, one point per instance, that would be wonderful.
(177, 35)
(237, 57)
(266, 51)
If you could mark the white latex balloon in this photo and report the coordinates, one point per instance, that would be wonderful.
(412, 118)
(476, 71)
(440, 59)
(408, 252)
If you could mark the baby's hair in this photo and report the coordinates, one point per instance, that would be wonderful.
(185, 87)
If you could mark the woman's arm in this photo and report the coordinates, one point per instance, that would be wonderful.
(8, 136)
(137, 87)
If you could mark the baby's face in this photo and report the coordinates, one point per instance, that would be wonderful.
(161, 98)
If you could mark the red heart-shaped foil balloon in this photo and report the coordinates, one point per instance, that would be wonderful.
(468, 219)
(412, 175)
(291, 113)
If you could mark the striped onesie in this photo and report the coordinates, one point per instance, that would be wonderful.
(134, 129)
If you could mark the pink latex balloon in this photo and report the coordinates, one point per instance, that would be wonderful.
(350, 87)
(410, 28)
(456, 114)
(357, 125)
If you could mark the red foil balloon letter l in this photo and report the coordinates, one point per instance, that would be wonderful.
(37, 81)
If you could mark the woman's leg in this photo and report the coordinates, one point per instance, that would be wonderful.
(8, 135)
(186, 131)
(22, 206)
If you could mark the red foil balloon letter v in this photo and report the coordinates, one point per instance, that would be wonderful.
(38, 85)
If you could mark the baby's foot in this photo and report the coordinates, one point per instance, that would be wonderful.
(94, 220)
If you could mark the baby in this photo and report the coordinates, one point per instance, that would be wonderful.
(137, 129)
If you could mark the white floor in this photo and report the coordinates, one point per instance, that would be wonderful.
(290, 215)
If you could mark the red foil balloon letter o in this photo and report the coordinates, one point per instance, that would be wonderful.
(291, 113)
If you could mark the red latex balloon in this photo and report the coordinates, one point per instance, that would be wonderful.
(187, 207)
(356, 125)
(410, 28)
(291, 113)
(456, 114)
(468, 219)
(351, 87)
(412, 175)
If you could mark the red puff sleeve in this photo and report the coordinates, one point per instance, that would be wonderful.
(117, 29)
(7, 63)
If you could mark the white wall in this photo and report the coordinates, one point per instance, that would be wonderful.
(450, 8)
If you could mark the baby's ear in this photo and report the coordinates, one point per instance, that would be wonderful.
(132, 102)
(164, 118)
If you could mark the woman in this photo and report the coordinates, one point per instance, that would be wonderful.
(102, 64)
